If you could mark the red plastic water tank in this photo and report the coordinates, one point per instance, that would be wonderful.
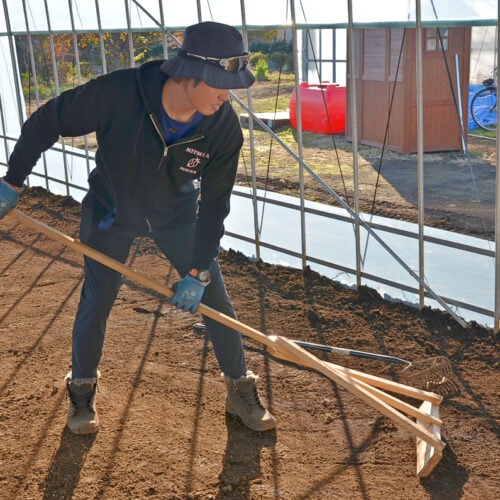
(322, 108)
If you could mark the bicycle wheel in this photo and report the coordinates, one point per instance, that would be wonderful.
(483, 109)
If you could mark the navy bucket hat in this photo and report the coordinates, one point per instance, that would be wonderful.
(214, 53)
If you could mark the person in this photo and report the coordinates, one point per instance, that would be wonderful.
(168, 147)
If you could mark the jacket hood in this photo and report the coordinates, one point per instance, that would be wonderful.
(151, 79)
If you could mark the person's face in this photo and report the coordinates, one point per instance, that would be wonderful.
(207, 100)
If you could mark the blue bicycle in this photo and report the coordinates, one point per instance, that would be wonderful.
(483, 106)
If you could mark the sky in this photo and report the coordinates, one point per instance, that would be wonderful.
(257, 12)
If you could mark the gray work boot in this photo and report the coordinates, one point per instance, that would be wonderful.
(82, 413)
(243, 401)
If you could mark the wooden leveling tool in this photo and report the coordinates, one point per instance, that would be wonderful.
(422, 421)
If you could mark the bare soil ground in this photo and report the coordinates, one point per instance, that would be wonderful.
(161, 398)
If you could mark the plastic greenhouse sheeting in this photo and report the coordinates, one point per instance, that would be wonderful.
(147, 13)
(19, 17)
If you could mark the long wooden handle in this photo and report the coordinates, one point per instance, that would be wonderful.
(281, 346)
(207, 311)
(131, 274)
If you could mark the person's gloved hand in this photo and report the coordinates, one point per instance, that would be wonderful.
(8, 198)
(188, 293)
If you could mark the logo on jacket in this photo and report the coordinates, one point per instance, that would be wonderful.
(195, 152)
(193, 163)
(191, 167)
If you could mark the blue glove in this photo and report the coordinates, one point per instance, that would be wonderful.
(188, 293)
(8, 198)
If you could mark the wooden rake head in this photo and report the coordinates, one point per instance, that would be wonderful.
(431, 374)
(426, 374)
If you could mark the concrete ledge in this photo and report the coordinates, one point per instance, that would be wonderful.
(272, 120)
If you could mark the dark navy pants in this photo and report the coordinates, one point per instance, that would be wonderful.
(101, 286)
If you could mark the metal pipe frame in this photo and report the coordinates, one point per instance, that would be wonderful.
(352, 217)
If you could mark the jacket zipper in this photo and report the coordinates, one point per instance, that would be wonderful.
(159, 132)
(179, 143)
(165, 152)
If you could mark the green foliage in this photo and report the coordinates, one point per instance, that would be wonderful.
(148, 46)
(67, 72)
(484, 133)
(44, 91)
(85, 70)
(279, 53)
(260, 65)
(255, 57)
(269, 52)
(282, 61)
(262, 70)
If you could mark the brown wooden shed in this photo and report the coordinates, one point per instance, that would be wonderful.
(386, 55)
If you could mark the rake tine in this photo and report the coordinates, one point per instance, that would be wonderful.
(428, 373)
(436, 373)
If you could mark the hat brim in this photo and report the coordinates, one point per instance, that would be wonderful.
(179, 67)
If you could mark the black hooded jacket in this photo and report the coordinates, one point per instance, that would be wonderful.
(147, 184)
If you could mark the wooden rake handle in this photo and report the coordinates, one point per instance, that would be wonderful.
(131, 274)
(280, 346)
